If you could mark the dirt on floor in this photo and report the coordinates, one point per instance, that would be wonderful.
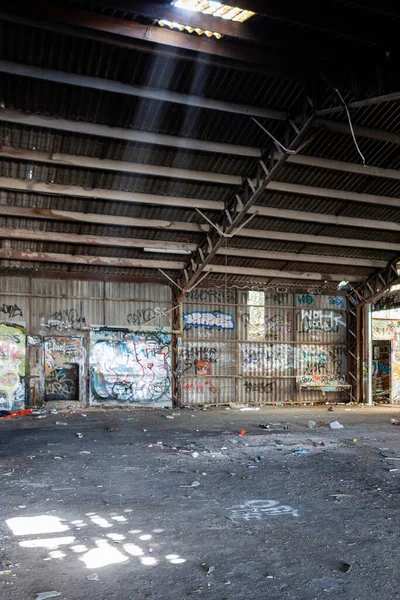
(143, 506)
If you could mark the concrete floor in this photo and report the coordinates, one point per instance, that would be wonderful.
(120, 505)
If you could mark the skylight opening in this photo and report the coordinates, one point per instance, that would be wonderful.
(216, 9)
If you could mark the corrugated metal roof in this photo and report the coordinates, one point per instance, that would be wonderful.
(43, 48)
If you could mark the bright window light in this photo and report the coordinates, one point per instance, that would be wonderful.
(207, 7)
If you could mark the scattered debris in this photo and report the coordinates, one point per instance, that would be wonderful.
(92, 577)
(5, 414)
(344, 567)
(242, 432)
(169, 417)
(45, 595)
(83, 415)
(208, 568)
(79, 435)
(247, 408)
(395, 421)
(195, 455)
(61, 423)
(389, 457)
(264, 426)
(53, 411)
(300, 451)
(311, 424)
(4, 570)
(335, 425)
(195, 484)
(85, 452)
(112, 429)
(330, 409)
(257, 459)
(316, 444)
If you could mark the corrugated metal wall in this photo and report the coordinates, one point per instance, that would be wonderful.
(235, 346)
(243, 348)
(56, 314)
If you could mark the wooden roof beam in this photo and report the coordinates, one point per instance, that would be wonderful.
(128, 135)
(300, 275)
(95, 261)
(105, 164)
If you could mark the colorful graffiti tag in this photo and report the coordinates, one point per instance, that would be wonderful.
(130, 367)
(12, 367)
(209, 320)
(63, 362)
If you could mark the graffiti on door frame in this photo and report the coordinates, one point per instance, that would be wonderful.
(63, 368)
(12, 367)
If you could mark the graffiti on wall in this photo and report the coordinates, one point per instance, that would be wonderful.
(200, 355)
(10, 311)
(385, 329)
(142, 315)
(12, 367)
(317, 360)
(266, 359)
(210, 295)
(209, 320)
(272, 326)
(325, 321)
(63, 361)
(130, 367)
(63, 320)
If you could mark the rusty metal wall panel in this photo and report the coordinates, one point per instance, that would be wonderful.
(14, 309)
(57, 315)
(67, 288)
(138, 305)
(18, 285)
(266, 391)
(208, 390)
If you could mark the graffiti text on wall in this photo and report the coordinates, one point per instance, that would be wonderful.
(209, 320)
(319, 320)
(194, 354)
(131, 367)
(143, 315)
(210, 295)
(11, 311)
(259, 387)
(272, 327)
(64, 320)
(12, 367)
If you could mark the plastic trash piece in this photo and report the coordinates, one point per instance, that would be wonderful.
(92, 577)
(335, 425)
(316, 444)
(45, 595)
(112, 429)
(263, 426)
(300, 452)
(169, 417)
(311, 424)
(395, 421)
(195, 454)
(61, 423)
(242, 432)
(79, 435)
(257, 459)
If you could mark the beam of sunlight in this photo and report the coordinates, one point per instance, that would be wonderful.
(133, 550)
(117, 537)
(57, 554)
(36, 525)
(135, 531)
(148, 561)
(79, 548)
(100, 521)
(49, 543)
(145, 537)
(158, 530)
(102, 556)
(119, 519)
